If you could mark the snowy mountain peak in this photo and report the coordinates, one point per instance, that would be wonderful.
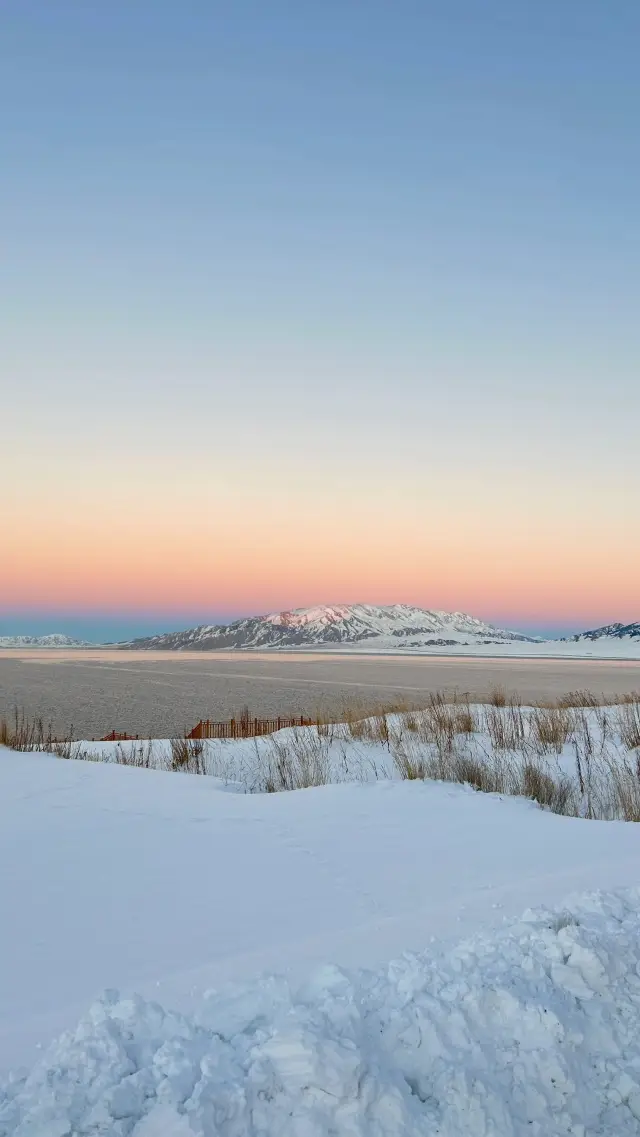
(300, 617)
(380, 627)
(56, 639)
(609, 632)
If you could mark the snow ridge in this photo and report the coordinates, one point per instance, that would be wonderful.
(390, 626)
(534, 1030)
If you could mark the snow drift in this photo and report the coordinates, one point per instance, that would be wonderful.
(534, 1030)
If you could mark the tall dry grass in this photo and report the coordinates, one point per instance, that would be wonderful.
(19, 732)
(299, 759)
(506, 725)
(188, 756)
(628, 724)
(551, 727)
(140, 755)
(25, 734)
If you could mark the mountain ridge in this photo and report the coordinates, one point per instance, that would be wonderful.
(54, 639)
(392, 625)
(608, 631)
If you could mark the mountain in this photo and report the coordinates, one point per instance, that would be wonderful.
(387, 627)
(609, 631)
(56, 639)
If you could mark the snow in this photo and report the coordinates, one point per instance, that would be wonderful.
(380, 620)
(533, 1030)
(300, 617)
(606, 647)
(163, 884)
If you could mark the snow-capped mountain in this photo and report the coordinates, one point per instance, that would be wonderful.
(56, 639)
(609, 632)
(392, 626)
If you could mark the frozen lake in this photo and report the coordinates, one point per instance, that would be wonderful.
(161, 693)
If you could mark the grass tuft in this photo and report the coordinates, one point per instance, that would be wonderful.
(628, 725)
(551, 727)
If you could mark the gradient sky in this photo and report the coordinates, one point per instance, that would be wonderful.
(307, 302)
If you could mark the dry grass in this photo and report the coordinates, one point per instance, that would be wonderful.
(188, 756)
(556, 794)
(456, 764)
(141, 755)
(608, 781)
(22, 733)
(551, 727)
(506, 726)
(296, 760)
(501, 772)
(628, 725)
(497, 697)
(624, 778)
(411, 762)
(439, 723)
(473, 770)
(31, 735)
(578, 699)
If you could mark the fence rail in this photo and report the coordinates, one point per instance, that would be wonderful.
(118, 736)
(245, 727)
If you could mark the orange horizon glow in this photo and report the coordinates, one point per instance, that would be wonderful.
(274, 528)
(255, 573)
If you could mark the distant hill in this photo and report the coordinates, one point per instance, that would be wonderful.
(609, 632)
(56, 639)
(386, 627)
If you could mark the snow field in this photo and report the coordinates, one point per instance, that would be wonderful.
(532, 1030)
(214, 910)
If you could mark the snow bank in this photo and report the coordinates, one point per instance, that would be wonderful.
(161, 884)
(533, 1030)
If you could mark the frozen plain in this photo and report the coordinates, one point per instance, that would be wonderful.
(169, 885)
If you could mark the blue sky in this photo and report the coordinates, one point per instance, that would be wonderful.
(321, 261)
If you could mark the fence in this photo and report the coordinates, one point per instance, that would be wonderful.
(117, 736)
(245, 727)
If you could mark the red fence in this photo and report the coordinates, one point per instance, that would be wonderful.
(245, 727)
(116, 736)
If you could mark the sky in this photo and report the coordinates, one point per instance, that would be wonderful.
(306, 303)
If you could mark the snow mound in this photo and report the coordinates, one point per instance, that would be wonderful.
(534, 1030)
